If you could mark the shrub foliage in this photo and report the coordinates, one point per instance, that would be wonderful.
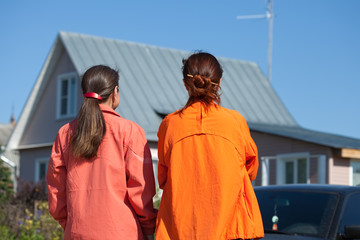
(6, 184)
(25, 215)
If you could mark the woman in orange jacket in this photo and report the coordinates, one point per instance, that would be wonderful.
(100, 176)
(207, 160)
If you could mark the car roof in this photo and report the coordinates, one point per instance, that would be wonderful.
(310, 187)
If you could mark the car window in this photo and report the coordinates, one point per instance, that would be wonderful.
(351, 215)
(297, 212)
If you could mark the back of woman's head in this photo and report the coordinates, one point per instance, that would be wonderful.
(91, 128)
(202, 74)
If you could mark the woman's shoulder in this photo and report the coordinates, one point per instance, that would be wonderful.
(172, 117)
(120, 124)
(68, 126)
(170, 122)
(233, 113)
(67, 130)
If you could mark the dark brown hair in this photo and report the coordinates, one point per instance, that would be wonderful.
(91, 127)
(202, 74)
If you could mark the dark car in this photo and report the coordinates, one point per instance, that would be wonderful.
(310, 211)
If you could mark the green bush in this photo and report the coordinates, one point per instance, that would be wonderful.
(26, 215)
(5, 233)
(40, 225)
(157, 198)
(6, 184)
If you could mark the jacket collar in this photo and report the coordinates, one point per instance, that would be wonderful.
(198, 105)
(107, 109)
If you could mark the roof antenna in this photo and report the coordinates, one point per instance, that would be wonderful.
(269, 15)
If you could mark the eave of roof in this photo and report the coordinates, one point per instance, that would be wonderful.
(343, 189)
(307, 135)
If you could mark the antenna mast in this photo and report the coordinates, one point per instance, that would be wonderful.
(269, 15)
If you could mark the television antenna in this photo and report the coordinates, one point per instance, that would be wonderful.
(268, 15)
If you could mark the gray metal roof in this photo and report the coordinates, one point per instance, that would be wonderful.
(299, 133)
(151, 81)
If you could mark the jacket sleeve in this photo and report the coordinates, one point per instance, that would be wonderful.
(252, 161)
(56, 184)
(251, 152)
(140, 179)
(162, 168)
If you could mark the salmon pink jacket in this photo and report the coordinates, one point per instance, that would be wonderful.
(109, 197)
(207, 160)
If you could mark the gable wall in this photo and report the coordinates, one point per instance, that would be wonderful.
(43, 126)
(28, 159)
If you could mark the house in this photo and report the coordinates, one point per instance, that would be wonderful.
(151, 87)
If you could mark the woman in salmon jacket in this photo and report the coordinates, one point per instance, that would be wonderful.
(100, 176)
(207, 160)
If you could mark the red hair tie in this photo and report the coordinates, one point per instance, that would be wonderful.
(92, 95)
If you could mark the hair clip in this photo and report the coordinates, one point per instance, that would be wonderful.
(215, 84)
(92, 95)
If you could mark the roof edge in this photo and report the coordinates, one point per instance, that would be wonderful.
(307, 135)
(33, 97)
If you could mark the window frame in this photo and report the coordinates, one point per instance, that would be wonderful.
(38, 162)
(351, 171)
(71, 95)
(281, 161)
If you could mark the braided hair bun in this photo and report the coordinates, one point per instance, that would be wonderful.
(202, 75)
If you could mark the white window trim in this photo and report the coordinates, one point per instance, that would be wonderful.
(265, 169)
(154, 154)
(280, 166)
(38, 161)
(58, 97)
(351, 182)
(321, 169)
(155, 162)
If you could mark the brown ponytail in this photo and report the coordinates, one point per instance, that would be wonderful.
(202, 74)
(91, 126)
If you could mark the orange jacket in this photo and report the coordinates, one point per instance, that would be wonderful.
(207, 161)
(110, 197)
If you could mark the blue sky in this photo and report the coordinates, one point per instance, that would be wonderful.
(316, 46)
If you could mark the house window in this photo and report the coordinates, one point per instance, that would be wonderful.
(355, 172)
(66, 99)
(295, 171)
(41, 166)
(292, 168)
